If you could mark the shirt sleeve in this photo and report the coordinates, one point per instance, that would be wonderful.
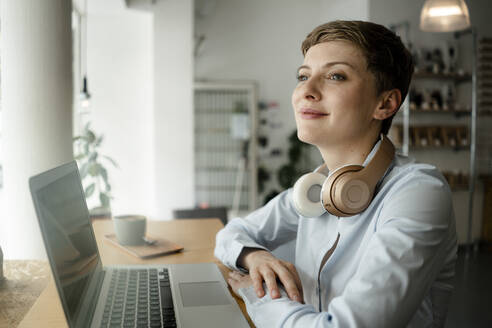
(266, 228)
(282, 312)
(415, 236)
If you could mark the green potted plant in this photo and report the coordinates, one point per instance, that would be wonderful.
(300, 161)
(93, 173)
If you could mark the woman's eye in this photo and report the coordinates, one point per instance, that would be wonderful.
(301, 77)
(336, 77)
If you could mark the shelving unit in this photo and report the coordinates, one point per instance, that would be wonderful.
(223, 175)
(443, 76)
(461, 164)
(441, 135)
(484, 93)
(456, 112)
(484, 162)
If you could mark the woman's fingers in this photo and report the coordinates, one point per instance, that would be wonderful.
(289, 282)
(237, 281)
(235, 275)
(292, 268)
(257, 279)
(271, 282)
(263, 266)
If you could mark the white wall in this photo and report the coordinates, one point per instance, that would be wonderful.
(120, 76)
(261, 40)
(140, 71)
(173, 106)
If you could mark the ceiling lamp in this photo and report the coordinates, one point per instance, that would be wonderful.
(444, 16)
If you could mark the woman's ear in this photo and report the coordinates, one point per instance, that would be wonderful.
(389, 104)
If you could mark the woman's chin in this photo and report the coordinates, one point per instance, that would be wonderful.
(308, 138)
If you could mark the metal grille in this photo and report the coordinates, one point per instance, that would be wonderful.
(218, 165)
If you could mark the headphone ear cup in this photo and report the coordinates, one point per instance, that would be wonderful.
(304, 189)
(334, 187)
(350, 194)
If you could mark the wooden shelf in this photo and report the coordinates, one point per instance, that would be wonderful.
(443, 76)
(433, 148)
(459, 188)
(455, 112)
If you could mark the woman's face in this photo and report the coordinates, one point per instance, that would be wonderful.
(335, 98)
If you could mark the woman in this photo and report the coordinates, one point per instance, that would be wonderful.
(389, 264)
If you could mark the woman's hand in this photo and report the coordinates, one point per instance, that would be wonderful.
(238, 280)
(263, 266)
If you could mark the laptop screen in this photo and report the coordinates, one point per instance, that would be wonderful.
(68, 235)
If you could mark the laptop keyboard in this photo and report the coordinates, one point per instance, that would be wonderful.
(139, 298)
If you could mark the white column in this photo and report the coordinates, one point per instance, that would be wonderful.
(173, 106)
(36, 104)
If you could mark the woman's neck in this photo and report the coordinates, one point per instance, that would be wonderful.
(349, 152)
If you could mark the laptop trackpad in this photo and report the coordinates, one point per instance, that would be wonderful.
(203, 294)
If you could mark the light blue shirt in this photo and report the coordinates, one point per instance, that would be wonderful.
(393, 265)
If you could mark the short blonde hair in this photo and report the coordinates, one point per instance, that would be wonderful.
(387, 57)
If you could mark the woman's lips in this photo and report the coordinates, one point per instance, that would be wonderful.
(311, 114)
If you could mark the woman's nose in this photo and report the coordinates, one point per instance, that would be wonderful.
(311, 90)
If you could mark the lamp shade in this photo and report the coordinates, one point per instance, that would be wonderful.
(444, 16)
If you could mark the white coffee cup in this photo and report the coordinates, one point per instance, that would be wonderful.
(130, 229)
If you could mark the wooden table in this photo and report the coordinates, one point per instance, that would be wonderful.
(197, 236)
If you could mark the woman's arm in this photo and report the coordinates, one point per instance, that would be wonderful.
(246, 244)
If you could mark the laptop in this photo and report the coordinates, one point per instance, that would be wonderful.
(93, 295)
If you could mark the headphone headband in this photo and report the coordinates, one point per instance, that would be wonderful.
(379, 163)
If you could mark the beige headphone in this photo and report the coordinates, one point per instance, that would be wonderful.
(347, 190)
